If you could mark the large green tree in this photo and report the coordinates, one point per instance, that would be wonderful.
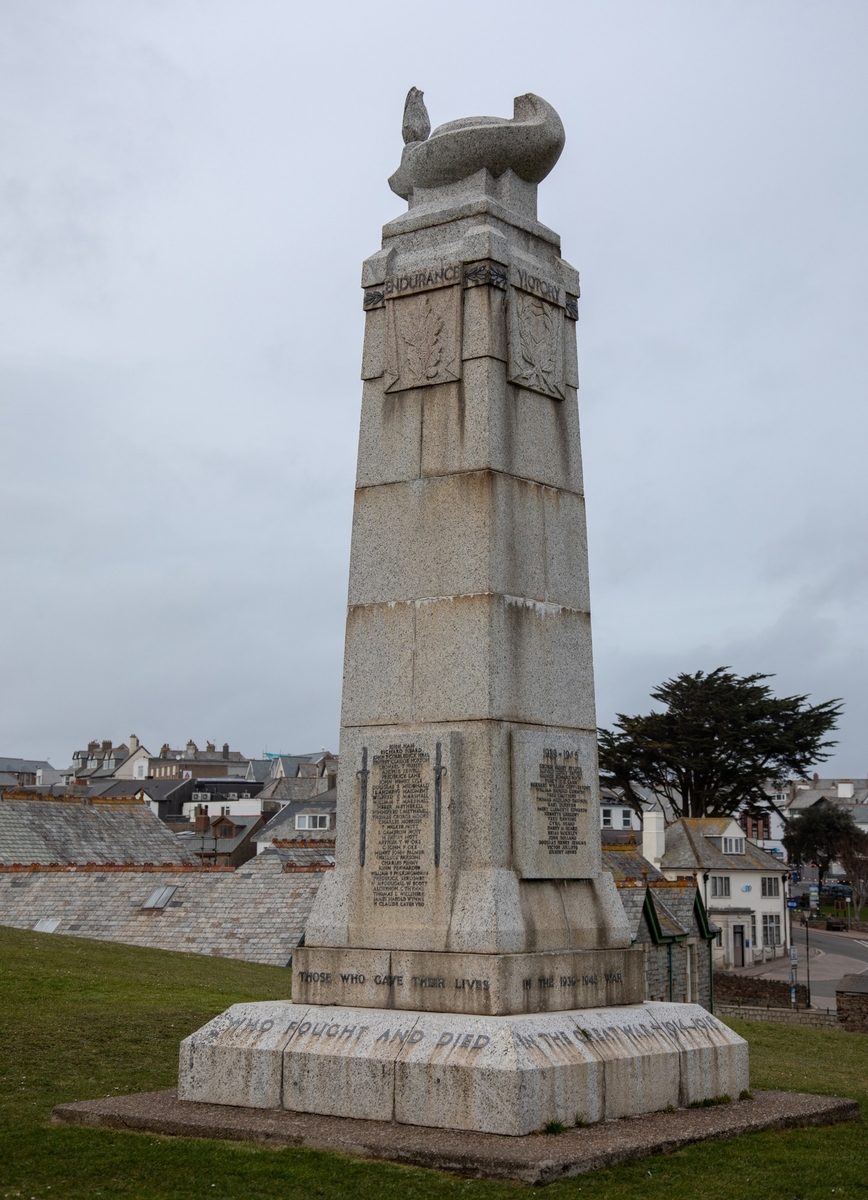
(821, 833)
(717, 741)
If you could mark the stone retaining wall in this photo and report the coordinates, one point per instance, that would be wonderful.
(783, 1016)
(853, 1011)
(730, 988)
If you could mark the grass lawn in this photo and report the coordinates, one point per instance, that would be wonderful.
(82, 1019)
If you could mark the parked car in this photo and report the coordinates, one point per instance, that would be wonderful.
(836, 891)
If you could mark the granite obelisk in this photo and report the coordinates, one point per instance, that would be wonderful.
(468, 961)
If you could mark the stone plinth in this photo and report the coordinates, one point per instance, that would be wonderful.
(508, 1075)
(479, 984)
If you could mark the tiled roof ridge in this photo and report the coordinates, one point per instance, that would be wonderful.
(106, 868)
(306, 868)
(303, 843)
(632, 881)
(130, 801)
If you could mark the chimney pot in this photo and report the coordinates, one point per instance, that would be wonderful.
(225, 749)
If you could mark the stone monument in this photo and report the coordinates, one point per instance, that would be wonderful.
(468, 963)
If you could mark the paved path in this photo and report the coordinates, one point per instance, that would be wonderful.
(832, 956)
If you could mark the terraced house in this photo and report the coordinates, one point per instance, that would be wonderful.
(744, 889)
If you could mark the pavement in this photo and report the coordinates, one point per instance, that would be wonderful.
(833, 955)
(534, 1158)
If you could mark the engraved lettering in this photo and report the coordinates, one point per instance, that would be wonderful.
(561, 798)
(400, 811)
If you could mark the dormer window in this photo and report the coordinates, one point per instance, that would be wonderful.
(312, 821)
(733, 845)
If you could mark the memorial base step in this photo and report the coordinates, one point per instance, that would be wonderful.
(508, 1075)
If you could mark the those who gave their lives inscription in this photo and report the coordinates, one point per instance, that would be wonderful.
(561, 798)
(401, 810)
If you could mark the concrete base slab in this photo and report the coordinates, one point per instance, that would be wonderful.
(532, 1159)
(506, 1075)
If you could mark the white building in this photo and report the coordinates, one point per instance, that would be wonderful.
(743, 887)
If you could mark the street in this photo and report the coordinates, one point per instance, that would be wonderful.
(832, 956)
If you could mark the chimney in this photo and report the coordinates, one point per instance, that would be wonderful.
(191, 748)
(92, 746)
(225, 749)
(134, 743)
(845, 789)
(653, 836)
(210, 748)
(107, 745)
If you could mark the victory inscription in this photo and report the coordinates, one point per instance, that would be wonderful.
(400, 813)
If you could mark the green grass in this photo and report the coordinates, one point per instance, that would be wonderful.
(82, 1019)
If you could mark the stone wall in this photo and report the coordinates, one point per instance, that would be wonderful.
(657, 973)
(257, 912)
(853, 1011)
(732, 989)
(783, 1016)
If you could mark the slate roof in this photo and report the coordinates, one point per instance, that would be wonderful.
(259, 769)
(626, 862)
(633, 900)
(17, 765)
(808, 797)
(302, 855)
(687, 846)
(257, 912)
(282, 824)
(66, 830)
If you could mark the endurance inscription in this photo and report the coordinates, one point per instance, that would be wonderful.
(561, 797)
(400, 812)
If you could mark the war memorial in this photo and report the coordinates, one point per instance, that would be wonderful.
(467, 965)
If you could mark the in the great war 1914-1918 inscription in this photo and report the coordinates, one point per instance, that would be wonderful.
(561, 797)
(400, 824)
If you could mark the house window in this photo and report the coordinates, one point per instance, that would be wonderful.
(720, 885)
(224, 810)
(140, 770)
(771, 885)
(312, 821)
(733, 846)
(607, 818)
(718, 941)
(626, 818)
(771, 929)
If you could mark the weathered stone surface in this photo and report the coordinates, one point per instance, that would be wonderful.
(506, 1075)
(417, 540)
(238, 1057)
(481, 984)
(529, 144)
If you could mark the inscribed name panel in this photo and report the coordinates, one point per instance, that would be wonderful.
(555, 805)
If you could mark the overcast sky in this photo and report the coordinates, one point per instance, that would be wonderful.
(187, 191)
